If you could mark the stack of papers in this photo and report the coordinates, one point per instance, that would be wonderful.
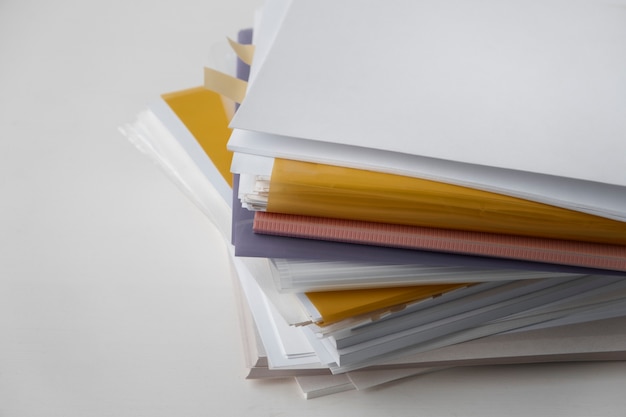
(414, 185)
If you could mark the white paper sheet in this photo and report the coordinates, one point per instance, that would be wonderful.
(534, 86)
(537, 86)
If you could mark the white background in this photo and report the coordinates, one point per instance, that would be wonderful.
(115, 297)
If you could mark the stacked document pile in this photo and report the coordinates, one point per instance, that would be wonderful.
(412, 185)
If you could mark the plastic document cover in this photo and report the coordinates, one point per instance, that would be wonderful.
(328, 191)
(303, 275)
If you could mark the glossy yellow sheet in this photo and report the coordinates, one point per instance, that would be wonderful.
(337, 192)
(202, 111)
(340, 305)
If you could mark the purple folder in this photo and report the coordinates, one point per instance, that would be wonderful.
(244, 37)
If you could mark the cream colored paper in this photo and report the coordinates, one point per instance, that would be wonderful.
(244, 52)
(224, 84)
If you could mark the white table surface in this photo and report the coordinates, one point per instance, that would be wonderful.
(115, 298)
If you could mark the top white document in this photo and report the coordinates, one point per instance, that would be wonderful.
(536, 86)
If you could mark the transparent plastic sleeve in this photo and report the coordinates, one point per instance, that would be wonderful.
(345, 193)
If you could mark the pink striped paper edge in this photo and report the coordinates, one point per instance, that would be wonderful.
(564, 252)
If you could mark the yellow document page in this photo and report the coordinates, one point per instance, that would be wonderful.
(344, 193)
(203, 113)
(335, 306)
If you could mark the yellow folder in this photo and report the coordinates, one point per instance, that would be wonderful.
(344, 193)
(335, 306)
(204, 114)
